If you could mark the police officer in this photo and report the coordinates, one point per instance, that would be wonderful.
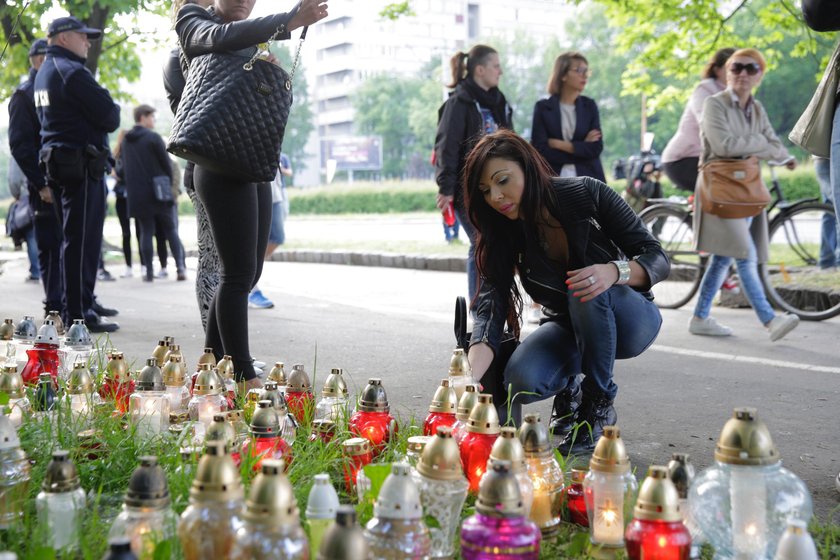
(76, 115)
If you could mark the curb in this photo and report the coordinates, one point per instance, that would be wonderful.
(387, 260)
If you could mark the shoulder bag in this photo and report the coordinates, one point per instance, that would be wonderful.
(233, 113)
(163, 188)
(812, 131)
(492, 381)
(732, 188)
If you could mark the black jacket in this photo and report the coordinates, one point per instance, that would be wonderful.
(201, 32)
(460, 126)
(73, 109)
(600, 227)
(25, 132)
(822, 15)
(547, 124)
(142, 157)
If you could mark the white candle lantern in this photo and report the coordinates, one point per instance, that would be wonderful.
(61, 503)
(609, 488)
(148, 406)
(77, 347)
(174, 377)
(744, 502)
(207, 399)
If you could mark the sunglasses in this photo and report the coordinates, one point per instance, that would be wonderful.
(751, 67)
(582, 71)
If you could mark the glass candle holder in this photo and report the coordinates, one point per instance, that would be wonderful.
(397, 528)
(266, 440)
(321, 507)
(174, 378)
(357, 454)
(415, 446)
(657, 531)
(482, 430)
(333, 404)
(14, 474)
(149, 405)
(61, 503)
(609, 488)
(322, 430)
(299, 397)
(45, 395)
(372, 419)
(442, 409)
(460, 373)
(443, 490)
(462, 413)
(508, 448)
(575, 511)
(12, 386)
(41, 358)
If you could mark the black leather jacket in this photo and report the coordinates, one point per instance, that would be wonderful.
(600, 227)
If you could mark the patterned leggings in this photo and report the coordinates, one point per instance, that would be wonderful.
(207, 276)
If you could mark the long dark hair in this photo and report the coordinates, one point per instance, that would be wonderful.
(718, 60)
(499, 239)
(463, 64)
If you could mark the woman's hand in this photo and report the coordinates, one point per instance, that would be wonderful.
(311, 11)
(480, 357)
(590, 282)
(593, 135)
(443, 200)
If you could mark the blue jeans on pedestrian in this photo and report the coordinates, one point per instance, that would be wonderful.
(716, 272)
(835, 170)
(277, 233)
(618, 324)
(32, 253)
(472, 271)
(829, 249)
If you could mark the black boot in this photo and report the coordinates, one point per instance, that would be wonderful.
(596, 411)
(564, 414)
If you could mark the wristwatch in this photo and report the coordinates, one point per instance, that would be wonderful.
(623, 272)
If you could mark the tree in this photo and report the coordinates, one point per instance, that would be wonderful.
(116, 54)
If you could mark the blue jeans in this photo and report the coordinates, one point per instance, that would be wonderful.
(835, 170)
(32, 253)
(716, 273)
(618, 324)
(829, 250)
(472, 271)
(277, 233)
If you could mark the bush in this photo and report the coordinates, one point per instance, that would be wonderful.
(365, 198)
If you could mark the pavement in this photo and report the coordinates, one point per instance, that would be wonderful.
(396, 323)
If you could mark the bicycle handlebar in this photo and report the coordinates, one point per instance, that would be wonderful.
(774, 163)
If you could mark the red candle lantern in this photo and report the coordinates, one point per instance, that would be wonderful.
(266, 440)
(299, 396)
(357, 454)
(481, 433)
(575, 501)
(442, 409)
(43, 357)
(118, 385)
(657, 531)
(323, 430)
(372, 420)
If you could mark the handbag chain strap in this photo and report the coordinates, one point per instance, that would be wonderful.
(279, 31)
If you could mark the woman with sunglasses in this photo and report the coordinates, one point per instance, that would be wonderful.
(735, 125)
(681, 156)
(566, 127)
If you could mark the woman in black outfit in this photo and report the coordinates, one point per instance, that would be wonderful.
(239, 212)
(122, 207)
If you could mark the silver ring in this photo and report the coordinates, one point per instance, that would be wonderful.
(591, 281)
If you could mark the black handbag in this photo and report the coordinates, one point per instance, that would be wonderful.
(163, 188)
(492, 381)
(233, 113)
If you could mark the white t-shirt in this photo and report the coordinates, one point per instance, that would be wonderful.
(568, 122)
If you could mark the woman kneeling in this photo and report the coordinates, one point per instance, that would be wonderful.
(582, 253)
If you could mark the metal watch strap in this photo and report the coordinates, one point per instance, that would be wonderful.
(623, 272)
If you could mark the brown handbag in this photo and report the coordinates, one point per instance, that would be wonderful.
(732, 188)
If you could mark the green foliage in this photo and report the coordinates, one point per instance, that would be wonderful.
(301, 120)
(396, 10)
(365, 202)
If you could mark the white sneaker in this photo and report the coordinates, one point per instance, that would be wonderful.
(781, 325)
(163, 273)
(128, 273)
(707, 327)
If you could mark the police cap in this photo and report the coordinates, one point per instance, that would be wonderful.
(38, 47)
(69, 23)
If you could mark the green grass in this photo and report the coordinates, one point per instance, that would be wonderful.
(105, 478)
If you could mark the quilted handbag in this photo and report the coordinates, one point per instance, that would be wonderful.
(233, 113)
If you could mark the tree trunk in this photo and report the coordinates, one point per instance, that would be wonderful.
(97, 19)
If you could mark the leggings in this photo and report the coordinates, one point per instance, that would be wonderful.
(125, 224)
(239, 214)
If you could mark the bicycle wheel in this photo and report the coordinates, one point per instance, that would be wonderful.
(671, 226)
(792, 278)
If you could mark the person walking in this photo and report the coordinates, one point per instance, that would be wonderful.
(829, 250)
(238, 211)
(76, 115)
(475, 107)
(277, 233)
(681, 157)
(580, 251)
(735, 125)
(121, 204)
(147, 172)
(566, 127)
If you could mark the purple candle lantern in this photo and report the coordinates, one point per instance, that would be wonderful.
(499, 530)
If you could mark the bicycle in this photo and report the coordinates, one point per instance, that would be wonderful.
(791, 277)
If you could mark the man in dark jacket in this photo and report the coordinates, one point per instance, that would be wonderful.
(147, 172)
(76, 115)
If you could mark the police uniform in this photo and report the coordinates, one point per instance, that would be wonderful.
(25, 144)
(76, 115)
